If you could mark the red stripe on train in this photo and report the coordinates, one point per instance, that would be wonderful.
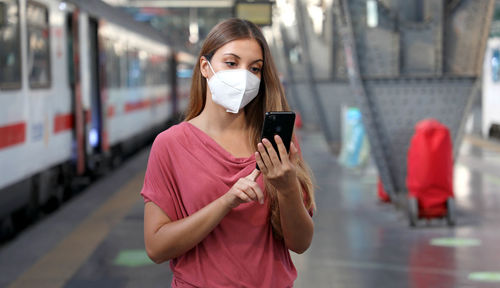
(160, 100)
(63, 122)
(13, 134)
(129, 107)
(110, 111)
(133, 106)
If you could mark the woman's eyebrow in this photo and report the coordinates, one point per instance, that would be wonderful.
(234, 55)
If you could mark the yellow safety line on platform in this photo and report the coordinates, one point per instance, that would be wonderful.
(56, 267)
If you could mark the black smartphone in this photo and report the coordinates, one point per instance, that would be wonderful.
(278, 123)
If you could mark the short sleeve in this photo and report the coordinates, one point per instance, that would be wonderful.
(159, 184)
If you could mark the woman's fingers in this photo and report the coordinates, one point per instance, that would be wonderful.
(280, 174)
(271, 152)
(281, 148)
(260, 163)
(243, 196)
(252, 176)
(248, 190)
(253, 190)
(294, 153)
(264, 154)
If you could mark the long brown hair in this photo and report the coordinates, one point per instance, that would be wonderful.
(271, 97)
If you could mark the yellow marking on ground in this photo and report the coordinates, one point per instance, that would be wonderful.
(56, 267)
(483, 143)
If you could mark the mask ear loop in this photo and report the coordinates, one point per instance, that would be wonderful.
(215, 74)
(210, 65)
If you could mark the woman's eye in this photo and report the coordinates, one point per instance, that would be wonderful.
(255, 69)
(230, 64)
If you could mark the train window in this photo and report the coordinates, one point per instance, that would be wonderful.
(10, 55)
(162, 71)
(151, 73)
(134, 68)
(123, 66)
(114, 57)
(143, 67)
(38, 45)
(495, 65)
(160, 68)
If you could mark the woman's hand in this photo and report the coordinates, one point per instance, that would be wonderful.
(166, 239)
(245, 190)
(281, 174)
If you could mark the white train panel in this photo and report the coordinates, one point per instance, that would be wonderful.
(134, 111)
(491, 85)
(37, 112)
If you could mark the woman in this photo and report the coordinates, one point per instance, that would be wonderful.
(220, 221)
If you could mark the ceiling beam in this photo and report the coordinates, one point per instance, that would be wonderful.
(173, 3)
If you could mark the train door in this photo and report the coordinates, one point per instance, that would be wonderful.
(75, 83)
(96, 124)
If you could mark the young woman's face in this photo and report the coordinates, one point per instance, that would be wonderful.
(237, 54)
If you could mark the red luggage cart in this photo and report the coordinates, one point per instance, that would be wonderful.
(430, 173)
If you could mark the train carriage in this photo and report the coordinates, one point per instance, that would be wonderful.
(491, 89)
(80, 84)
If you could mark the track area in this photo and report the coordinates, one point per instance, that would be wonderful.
(96, 240)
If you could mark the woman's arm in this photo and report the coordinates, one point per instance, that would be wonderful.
(296, 223)
(166, 239)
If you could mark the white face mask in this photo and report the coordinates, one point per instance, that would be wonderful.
(233, 89)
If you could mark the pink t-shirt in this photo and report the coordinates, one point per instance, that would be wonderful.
(186, 171)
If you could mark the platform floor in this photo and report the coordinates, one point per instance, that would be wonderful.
(96, 240)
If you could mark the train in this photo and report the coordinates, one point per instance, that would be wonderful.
(81, 85)
(491, 90)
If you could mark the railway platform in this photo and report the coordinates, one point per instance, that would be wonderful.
(96, 239)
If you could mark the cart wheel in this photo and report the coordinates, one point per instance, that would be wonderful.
(413, 211)
(451, 213)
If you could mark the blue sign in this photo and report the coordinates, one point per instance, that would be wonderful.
(495, 65)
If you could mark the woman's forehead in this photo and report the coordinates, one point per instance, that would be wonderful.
(248, 49)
